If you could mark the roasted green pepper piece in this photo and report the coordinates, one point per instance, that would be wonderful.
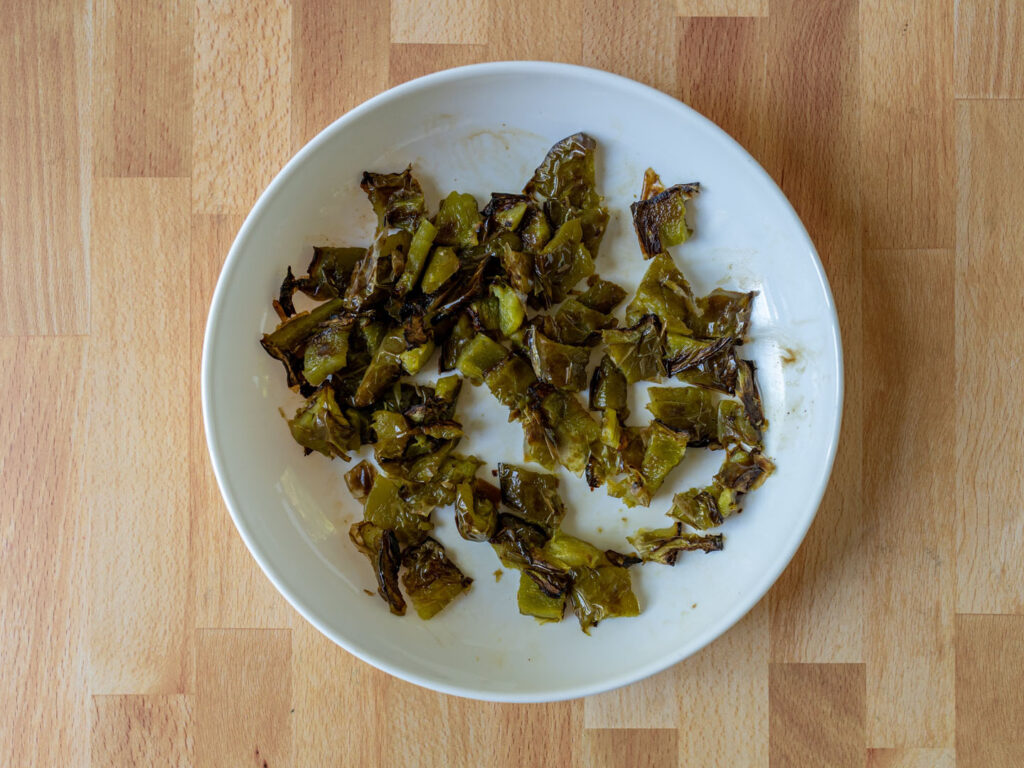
(743, 470)
(734, 426)
(443, 264)
(718, 372)
(392, 435)
(685, 353)
(663, 545)
(660, 221)
(330, 271)
(575, 323)
(504, 212)
(665, 450)
(287, 342)
(510, 382)
(327, 351)
(560, 365)
(374, 276)
(414, 359)
(384, 369)
(534, 601)
(319, 425)
(602, 295)
(562, 263)
(476, 510)
(397, 199)
(704, 508)
(687, 410)
(510, 309)
(608, 387)
(518, 266)
(360, 480)
(535, 231)
(534, 495)
(750, 395)
(599, 590)
(479, 356)
(389, 559)
(419, 250)
(387, 510)
(637, 350)
(565, 183)
(569, 428)
(664, 292)
(457, 221)
(431, 579)
(724, 313)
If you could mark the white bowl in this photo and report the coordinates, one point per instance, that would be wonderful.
(480, 129)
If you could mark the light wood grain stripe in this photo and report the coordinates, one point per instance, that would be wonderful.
(461, 22)
(909, 443)
(244, 698)
(635, 747)
(537, 30)
(811, 148)
(241, 109)
(45, 159)
(817, 715)
(989, 695)
(989, 337)
(42, 593)
(134, 731)
(409, 61)
(729, 678)
(907, 119)
(989, 50)
(136, 486)
(339, 59)
(143, 88)
(911, 758)
(722, 74)
(645, 29)
(716, 8)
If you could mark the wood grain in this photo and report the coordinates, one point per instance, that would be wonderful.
(989, 387)
(42, 594)
(143, 88)
(221, 566)
(409, 61)
(135, 628)
(989, 50)
(645, 28)
(241, 128)
(538, 30)
(135, 486)
(339, 59)
(907, 118)
(635, 747)
(911, 758)
(729, 678)
(817, 715)
(909, 442)
(812, 149)
(142, 730)
(462, 22)
(719, 8)
(989, 696)
(243, 698)
(45, 151)
(475, 733)
(723, 76)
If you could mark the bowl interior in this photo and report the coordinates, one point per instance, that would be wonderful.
(479, 130)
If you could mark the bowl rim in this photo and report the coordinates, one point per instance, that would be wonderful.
(231, 263)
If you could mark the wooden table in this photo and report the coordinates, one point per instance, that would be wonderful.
(136, 628)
